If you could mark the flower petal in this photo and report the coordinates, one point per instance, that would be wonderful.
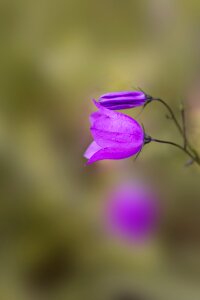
(124, 94)
(115, 139)
(116, 106)
(116, 135)
(112, 114)
(113, 153)
(106, 111)
(95, 116)
(119, 124)
(91, 150)
(123, 100)
(108, 132)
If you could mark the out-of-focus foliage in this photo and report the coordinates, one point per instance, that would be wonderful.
(55, 56)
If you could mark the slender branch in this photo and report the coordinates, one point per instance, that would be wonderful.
(184, 126)
(171, 113)
(194, 158)
(182, 131)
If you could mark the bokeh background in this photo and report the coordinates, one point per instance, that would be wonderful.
(55, 56)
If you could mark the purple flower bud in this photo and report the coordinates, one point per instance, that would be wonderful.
(116, 135)
(124, 100)
(132, 212)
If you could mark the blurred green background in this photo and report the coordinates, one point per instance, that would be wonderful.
(55, 56)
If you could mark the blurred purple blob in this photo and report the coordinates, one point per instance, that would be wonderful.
(132, 212)
(124, 100)
(116, 135)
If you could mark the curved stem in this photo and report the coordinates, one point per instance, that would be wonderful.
(184, 127)
(182, 132)
(194, 158)
(171, 113)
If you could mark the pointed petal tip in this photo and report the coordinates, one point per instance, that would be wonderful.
(91, 150)
(96, 103)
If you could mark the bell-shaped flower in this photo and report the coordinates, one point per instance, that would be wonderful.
(124, 100)
(116, 135)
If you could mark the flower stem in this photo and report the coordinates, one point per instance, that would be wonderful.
(184, 126)
(182, 131)
(171, 113)
(194, 158)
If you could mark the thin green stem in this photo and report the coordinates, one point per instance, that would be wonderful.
(171, 113)
(182, 131)
(194, 158)
(184, 126)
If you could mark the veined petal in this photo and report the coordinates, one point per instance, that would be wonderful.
(112, 114)
(113, 153)
(120, 105)
(104, 110)
(116, 135)
(108, 132)
(91, 150)
(117, 139)
(123, 100)
(123, 94)
(120, 124)
(94, 116)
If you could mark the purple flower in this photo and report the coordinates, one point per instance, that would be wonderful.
(124, 100)
(116, 135)
(132, 212)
